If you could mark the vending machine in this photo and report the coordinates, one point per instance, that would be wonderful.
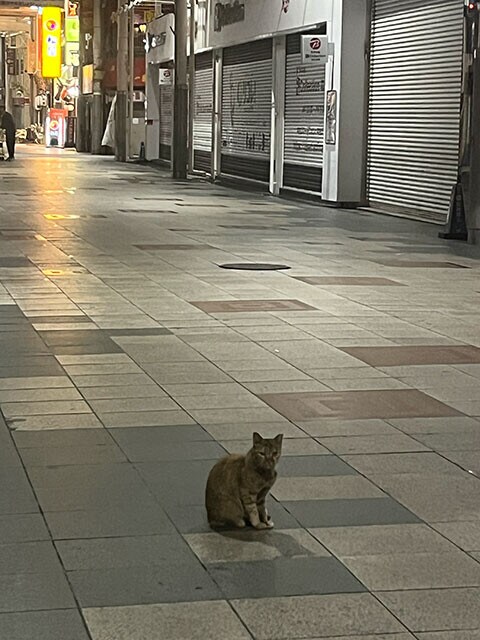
(55, 128)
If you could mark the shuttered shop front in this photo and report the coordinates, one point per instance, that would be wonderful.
(304, 121)
(246, 110)
(414, 105)
(166, 121)
(202, 124)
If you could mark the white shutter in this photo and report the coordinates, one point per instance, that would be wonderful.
(166, 121)
(246, 111)
(304, 121)
(202, 123)
(414, 115)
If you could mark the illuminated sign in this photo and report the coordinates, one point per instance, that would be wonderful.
(72, 54)
(51, 42)
(72, 30)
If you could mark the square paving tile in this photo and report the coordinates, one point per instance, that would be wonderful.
(417, 264)
(174, 582)
(171, 247)
(64, 624)
(417, 355)
(396, 403)
(359, 281)
(192, 620)
(395, 443)
(28, 557)
(425, 463)
(311, 465)
(382, 540)
(239, 306)
(193, 519)
(415, 570)
(435, 609)
(35, 592)
(315, 616)
(465, 535)
(112, 521)
(284, 577)
(325, 488)
(28, 527)
(350, 512)
(249, 545)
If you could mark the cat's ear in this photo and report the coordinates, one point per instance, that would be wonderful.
(278, 440)
(257, 439)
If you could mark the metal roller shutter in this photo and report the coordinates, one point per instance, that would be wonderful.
(304, 120)
(166, 121)
(246, 110)
(414, 115)
(202, 123)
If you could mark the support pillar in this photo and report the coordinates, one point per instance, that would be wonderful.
(180, 101)
(97, 103)
(121, 111)
(191, 87)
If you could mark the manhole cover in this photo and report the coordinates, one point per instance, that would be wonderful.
(254, 266)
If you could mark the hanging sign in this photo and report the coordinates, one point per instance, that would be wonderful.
(51, 42)
(315, 49)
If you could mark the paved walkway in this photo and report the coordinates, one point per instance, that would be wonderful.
(130, 361)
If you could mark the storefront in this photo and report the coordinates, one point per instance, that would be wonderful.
(414, 105)
(304, 121)
(202, 123)
(246, 111)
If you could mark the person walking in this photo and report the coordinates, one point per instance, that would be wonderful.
(8, 123)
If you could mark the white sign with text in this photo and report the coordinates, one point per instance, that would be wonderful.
(315, 49)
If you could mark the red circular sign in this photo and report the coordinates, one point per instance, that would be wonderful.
(315, 44)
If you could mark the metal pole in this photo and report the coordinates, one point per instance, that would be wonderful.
(191, 88)
(122, 84)
(97, 101)
(180, 117)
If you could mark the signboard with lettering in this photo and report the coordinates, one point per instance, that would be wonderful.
(165, 77)
(314, 49)
(51, 42)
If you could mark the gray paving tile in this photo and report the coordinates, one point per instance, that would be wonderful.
(424, 463)
(284, 577)
(435, 609)
(42, 382)
(325, 488)
(332, 427)
(350, 513)
(382, 540)
(65, 624)
(310, 465)
(394, 443)
(28, 527)
(96, 454)
(168, 417)
(249, 545)
(193, 620)
(62, 439)
(156, 437)
(16, 496)
(130, 391)
(55, 422)
(450, 635)
(315, 616)
(35, 592)
(465, 535)
(168, 451)
(20, 409)
(415, 570)
(193, 518)
(28, 557)
(174, 582)
(291, 447)
(111, 521)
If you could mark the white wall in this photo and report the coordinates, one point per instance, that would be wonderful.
(267, 17)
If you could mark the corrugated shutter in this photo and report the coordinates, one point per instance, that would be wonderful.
(166, 121)
(202, 124)
(304, 120)
(246, 110)
(415, 94)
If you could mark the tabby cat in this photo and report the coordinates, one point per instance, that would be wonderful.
(238, 485)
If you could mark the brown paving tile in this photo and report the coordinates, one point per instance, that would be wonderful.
(235, 306)
(360, 281)
(415, 355)
(357, 405)
(414, 264)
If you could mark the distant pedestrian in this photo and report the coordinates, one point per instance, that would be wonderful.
(8, 123)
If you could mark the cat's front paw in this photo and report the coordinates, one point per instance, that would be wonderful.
(262, 525)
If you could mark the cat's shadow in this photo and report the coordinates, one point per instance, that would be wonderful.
(284, 543)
